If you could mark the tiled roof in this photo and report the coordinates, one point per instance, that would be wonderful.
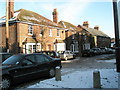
(31, 17)
(30, 40)
(69, 26)
(95, 32)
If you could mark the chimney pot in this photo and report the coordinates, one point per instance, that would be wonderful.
(96, 27)
(86, 24)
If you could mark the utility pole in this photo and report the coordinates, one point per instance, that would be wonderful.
(7, 24)
(117, 37)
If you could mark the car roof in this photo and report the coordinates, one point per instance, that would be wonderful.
(5, 53)
(28, 54)
(47, 51)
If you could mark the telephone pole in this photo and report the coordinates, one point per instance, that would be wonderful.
(117, 37)
(7, 24)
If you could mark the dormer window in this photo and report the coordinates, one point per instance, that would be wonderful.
(30, 30)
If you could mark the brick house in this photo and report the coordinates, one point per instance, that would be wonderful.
(30, 32)
(94, 36)
(71, 40)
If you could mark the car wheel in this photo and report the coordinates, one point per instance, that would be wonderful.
(52, 72)
(6, 83)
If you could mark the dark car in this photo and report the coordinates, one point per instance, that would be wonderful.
(21, 67)
(4, 56)
(53, 54)
(88, 52)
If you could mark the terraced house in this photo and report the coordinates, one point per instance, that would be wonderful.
(83, 37)
(93, 37)
(30, 32)
(72, 38)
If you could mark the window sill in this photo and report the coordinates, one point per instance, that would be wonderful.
(30, 34)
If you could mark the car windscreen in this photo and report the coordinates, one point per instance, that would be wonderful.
(13, 59)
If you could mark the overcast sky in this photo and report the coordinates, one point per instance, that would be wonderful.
(96, 12)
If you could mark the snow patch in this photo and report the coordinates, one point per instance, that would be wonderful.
(81, 79)
(31, 18)
(109, 61)
(16, 14)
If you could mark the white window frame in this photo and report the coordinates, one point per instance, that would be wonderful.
(30, 30)
(41, 30)
(50, 32)
(32, 44)
(73, 36)
(58, 32)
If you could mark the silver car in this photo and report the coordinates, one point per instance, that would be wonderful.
(66, 54)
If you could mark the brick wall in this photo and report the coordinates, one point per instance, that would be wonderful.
(3, 37)
(103, 41)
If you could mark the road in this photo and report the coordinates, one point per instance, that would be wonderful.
(89, 62)
(80, 63)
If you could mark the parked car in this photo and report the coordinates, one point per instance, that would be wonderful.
(88, 52)
(53, 54)
(66, 55)
(103, 49)
(4, 56)
(110, 51)
(97, 51)
(107, 50)
(23, 67)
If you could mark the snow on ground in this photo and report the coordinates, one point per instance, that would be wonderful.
(109, 61)
(81, 79)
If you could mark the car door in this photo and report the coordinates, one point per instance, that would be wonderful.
(27, 68)
(71, 55)
(43, 64)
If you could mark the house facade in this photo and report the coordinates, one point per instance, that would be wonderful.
(73, 38)
(28, 34)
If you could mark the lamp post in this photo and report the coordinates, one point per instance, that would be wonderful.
(117, 32)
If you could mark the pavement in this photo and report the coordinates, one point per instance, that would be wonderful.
(83, 78)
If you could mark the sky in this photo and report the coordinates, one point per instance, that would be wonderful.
(96, 12)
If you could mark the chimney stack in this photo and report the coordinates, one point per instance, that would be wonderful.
(96, 27)
(55, 15)
(11, 8)
(86, 24)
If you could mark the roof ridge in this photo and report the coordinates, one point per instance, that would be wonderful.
(94, 31)
(37, 16)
